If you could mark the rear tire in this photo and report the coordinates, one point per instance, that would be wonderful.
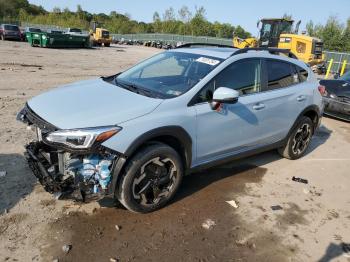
(107, 44)
(298, 140)
(150, 179)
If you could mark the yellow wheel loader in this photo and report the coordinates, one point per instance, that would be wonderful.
(278, 32)
(99, 35)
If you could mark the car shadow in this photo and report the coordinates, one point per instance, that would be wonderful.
(335, 250)
(321, 135)
(239, 172)
(242, 167)
(18, 181)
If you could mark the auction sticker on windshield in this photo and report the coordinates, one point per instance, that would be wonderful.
(208, 61)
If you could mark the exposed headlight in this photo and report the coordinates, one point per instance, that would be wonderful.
(82, 138)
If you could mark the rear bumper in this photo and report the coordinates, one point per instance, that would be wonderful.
(336, 108)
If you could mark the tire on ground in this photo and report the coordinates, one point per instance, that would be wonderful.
(287, 151)
(124, 187)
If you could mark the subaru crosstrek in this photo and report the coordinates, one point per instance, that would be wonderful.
(135, 134)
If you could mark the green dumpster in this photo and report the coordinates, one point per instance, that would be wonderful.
(56, 40)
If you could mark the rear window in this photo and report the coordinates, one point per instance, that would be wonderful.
(279, 74)
(11, 27)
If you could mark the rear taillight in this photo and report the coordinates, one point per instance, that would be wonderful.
(322, 90)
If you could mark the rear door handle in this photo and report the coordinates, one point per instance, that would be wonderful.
(301, 98)
(259, 106)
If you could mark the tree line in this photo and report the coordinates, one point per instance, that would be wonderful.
(335, 35)
(183, 21)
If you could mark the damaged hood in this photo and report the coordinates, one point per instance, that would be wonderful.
(91, 103)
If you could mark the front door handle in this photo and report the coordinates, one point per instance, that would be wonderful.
(301, 98)
(259, 106)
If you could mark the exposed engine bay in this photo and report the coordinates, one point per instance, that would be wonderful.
(66, 172)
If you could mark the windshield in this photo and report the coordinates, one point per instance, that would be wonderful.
(168, 74)
(346, 76)
(11, 27)
(34, 30)
(105, 34)
(75, 30)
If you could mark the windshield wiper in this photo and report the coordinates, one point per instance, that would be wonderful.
(136, 89)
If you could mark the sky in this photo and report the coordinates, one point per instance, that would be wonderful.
(244, 13)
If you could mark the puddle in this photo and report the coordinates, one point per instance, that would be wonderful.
(174, 233)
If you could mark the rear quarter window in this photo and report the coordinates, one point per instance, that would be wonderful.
(303, 74)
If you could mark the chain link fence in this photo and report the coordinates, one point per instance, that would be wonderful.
(172, 39)
(338, 60)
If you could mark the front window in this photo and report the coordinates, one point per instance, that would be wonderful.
(243, 76)
(168, 74)
(105, 34)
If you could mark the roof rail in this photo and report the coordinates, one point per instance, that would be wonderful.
(203, 44)
(271, 50)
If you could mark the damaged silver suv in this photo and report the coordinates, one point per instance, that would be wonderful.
(134, 135)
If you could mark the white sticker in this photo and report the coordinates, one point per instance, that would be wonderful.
(208, 61)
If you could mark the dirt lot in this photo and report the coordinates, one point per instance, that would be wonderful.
(313, 222)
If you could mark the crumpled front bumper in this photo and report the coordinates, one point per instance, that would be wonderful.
(40, 164)
(336, 108)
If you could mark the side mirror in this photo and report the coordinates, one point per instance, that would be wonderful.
(225, 95)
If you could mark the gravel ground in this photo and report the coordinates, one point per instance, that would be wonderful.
(311, 223)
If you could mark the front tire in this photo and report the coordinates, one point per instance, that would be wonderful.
(151, 178)
(298, 140)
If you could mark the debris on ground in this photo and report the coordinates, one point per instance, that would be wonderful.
(276, 207)
(3, 173)
(246, 241)
(300, 180)
(55, 260)
(66, 248)
(112, 259)
(232, 203)
(117, 227)
(208, 224)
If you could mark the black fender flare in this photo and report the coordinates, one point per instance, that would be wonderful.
(176, 132)
(310, 108)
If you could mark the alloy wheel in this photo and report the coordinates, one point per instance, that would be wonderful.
(155, 181)
(301, 139)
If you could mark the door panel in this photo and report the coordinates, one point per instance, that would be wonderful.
(235, 128)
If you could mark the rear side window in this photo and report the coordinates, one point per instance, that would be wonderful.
(279, 74)
(303, 74)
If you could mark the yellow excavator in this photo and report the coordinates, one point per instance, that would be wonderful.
(279, 32)
(99, 35)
